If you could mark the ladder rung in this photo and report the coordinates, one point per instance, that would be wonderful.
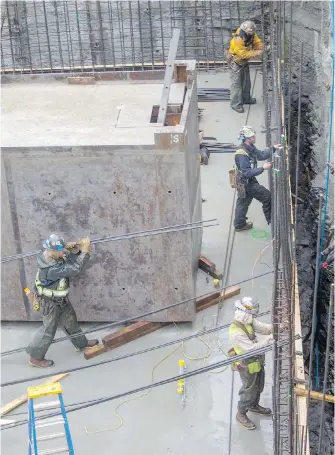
(50, 436)
(49, 422)
(47, 452)
(53, 404)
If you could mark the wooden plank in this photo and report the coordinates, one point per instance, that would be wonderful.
(23, 398)
(90, 353)
(87, 80)
(314, 395)
(141, 328)
(215, 298)
(130, 333)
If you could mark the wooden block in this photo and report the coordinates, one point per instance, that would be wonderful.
(209, 267)
(215, 298)
(130, 333)
(23, 398)
(90, 353)
(85, 80)
(205, 262)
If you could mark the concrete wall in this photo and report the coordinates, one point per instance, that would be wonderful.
(101, 191)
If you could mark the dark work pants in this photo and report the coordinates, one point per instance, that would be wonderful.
(250, 392)
(253, 190)
(240, 85)
(55, 312)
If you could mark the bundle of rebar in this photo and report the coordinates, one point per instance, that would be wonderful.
(214, 146)
(213, 94)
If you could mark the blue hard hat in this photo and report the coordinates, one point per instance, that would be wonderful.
(54, 242)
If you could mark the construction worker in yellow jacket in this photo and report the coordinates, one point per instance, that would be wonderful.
(242, 335)
(244, 46)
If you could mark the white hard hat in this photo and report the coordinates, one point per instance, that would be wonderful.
(246, 132)
(248, 305)
(248, 27)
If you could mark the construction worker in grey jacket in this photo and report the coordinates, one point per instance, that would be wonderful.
(247, 170)
(242, 335)
(56, 264)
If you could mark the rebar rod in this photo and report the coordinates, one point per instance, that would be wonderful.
(298, 146)
(176, 228)
(315, 299)
(231, 411)
(325, 376)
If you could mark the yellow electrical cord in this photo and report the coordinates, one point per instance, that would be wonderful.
(132, 398)
(204, 357)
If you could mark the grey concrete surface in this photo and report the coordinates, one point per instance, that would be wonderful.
(155, 424)
(59, 184)
(102, 114)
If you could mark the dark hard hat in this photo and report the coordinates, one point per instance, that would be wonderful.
(54, 242)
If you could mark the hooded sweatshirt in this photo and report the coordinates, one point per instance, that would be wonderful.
(241, 340)
(51, 272)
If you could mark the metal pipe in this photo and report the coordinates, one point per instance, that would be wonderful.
(298, 146)
(315, 299)
(325, 377)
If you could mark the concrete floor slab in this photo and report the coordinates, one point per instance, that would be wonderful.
(155, 424)
(81, 114)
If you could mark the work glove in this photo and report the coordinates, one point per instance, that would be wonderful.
(85, 245)
(72, 247)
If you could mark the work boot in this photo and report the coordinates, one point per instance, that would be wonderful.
(240, 110)
(246, 227)
(252, 101)
(90, 344)
(244, 420)
(44, 363)
(257, 409)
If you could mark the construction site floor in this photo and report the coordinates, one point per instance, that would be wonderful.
(156, 423)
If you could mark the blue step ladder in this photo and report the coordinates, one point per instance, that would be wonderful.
(46, 390)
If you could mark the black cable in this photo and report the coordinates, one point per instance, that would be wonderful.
(205, 369)
(125, 356)
(141, 316)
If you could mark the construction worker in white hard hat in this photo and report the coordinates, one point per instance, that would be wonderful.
(242, 335)
(247, 170)
(244, 46)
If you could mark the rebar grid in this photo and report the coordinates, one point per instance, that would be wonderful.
(87, 36)
(282, 310)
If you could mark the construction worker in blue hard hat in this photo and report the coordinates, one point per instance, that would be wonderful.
(56, 264)
(244, 46)
(242, 335)
(247, 170)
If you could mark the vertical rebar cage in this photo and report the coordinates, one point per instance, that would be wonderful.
(71, 36)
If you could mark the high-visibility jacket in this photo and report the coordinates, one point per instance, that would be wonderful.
(242, 49)
(61, 290)
(254, 363)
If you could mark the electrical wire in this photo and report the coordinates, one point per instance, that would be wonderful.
(141, 316)
(158, 231)
(125, 356)
(205, 369)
